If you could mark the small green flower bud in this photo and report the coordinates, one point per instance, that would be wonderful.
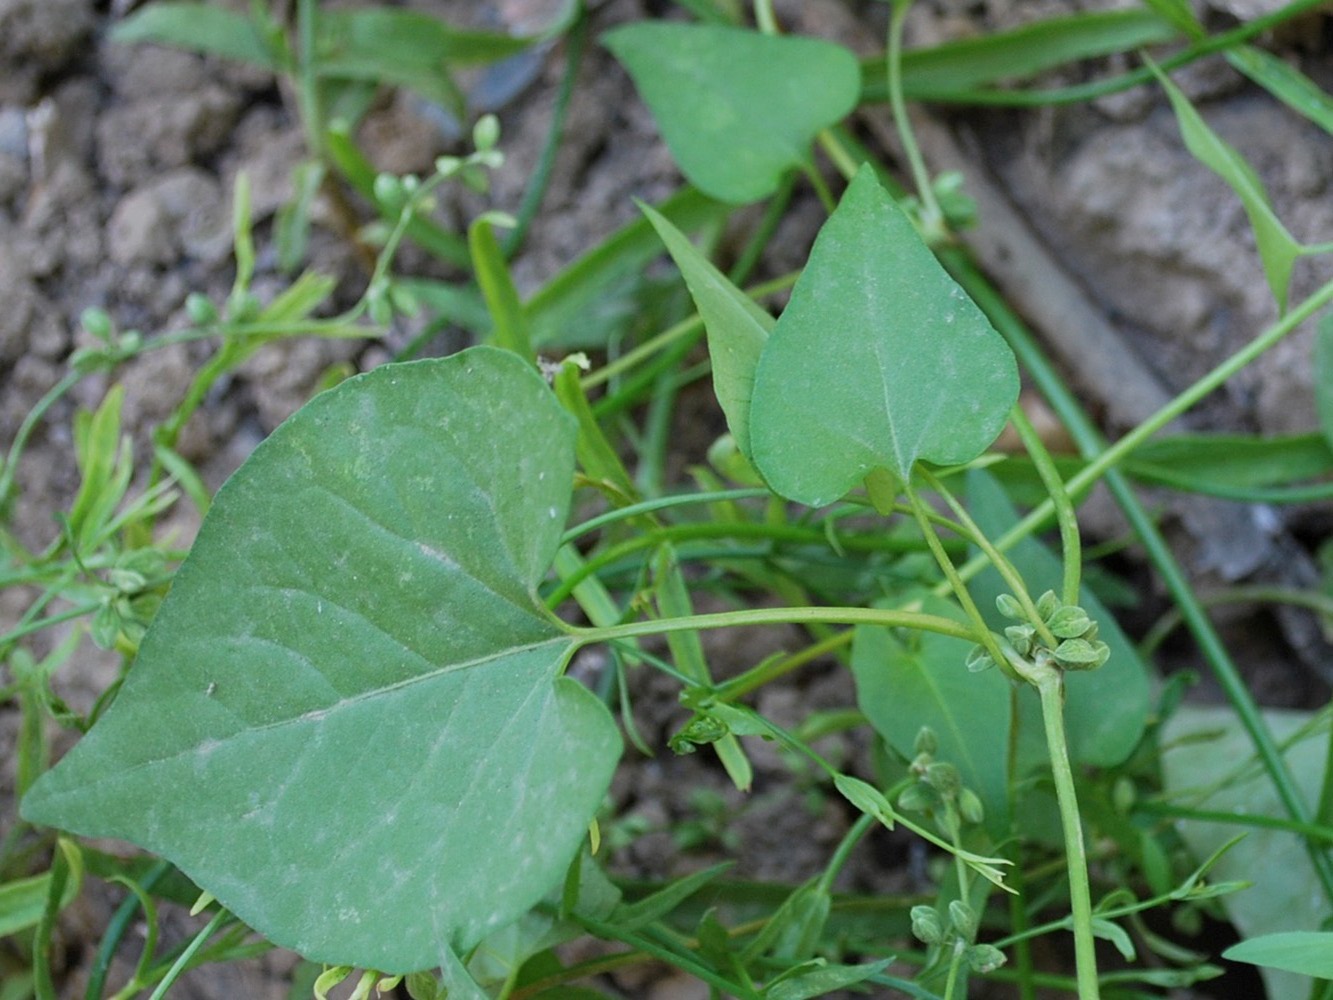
(970, 807)
(978, 660)
(1047, 605)
(963, 918)
(1079, 654)
(486, 133)
(1009, 607)
(127, 581)
(926, 741)
(1122, 795)
(1021, 638)
(1075, 653)
(98, 323)
(927, 927)
(388, 190)
(447, 166)
(984, 958)
(105, 627)
(1069, 622)
(200, 309)
(944, 778)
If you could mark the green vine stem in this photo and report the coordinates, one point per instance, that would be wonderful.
(1071, 548)
(780, 616)
(1012, 578)
(988, 639)
(932, 218)
(1049, 682)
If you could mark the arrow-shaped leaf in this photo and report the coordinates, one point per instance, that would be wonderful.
(348, 721)
(879, 360)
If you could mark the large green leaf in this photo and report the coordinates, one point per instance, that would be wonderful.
(1208, 764)
(737, 328)
(1105, 709)
(920, 679)
(737, 109)
(880, 359)
(348, 721)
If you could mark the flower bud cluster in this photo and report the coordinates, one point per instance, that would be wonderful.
(1076, 645)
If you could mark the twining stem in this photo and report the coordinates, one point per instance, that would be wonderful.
(932, 218)
(1071, 549)
(782, 616)
(1049, 683)
(959, 588)
(1012, 578)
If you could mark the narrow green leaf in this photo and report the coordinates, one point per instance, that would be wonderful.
(1285, 82)
(595, 454)
(737, 328)
(1023, 52)
(1307, 953)
(865, 797)
(371, 40)
(1105, 709)
(199, 27)
(1323, 376)
(1236, 460)
(446, 303)
(105, 466)
(292, 224)
(23, 900)
(352, 684)
(635, 916)
(1178, 13)
(687, 651)
(903, 684)
(819, 982)
(1277, 249)
(879, 360)
(406, 48)
(509, 325)
(737, 109)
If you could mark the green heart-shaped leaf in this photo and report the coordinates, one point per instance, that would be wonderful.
(348, 721)
(737, 109)
(879, 360)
